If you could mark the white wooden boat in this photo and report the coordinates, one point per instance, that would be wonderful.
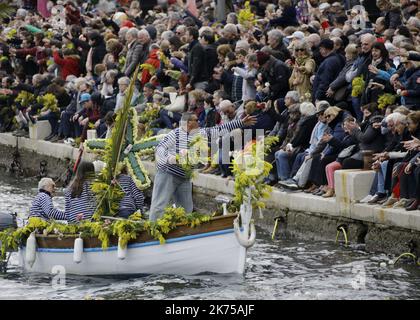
(217, 246)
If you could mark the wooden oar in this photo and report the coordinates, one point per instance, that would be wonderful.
(79, 158)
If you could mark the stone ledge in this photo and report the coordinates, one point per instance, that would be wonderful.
(347, 181)
(46, 148)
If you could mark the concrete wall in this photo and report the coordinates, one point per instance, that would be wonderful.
(57, 155)
(302, 215)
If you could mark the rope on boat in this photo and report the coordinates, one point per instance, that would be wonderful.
(243, 238)
(409, 255)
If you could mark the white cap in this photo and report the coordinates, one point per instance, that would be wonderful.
(324, 6)
(297, 35)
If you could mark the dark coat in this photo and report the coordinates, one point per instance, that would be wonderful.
(197, 66)
(211, 58)
(209, 119)
(281, 52)
(134, 54)
(277, 73)
(328, 71)
(287, 18)
(369, 138)
(412, 100)
(303, 132)
(393, 19)
(98, 52)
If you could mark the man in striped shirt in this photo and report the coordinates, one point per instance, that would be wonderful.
(170, 180)
(42, 205)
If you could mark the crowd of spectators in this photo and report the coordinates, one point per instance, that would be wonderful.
(337, 82)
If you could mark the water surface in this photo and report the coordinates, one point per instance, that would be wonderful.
(281, 269)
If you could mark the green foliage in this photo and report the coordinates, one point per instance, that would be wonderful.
(245, 16)
(147, 117)
(385, 100)
(25, 98)
(358, 86)
(12, 238)
(49, 102)
(108, 193)
(126, 230)
(249, 169)
(198, 151)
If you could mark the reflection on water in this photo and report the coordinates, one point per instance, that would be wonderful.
(284, 269)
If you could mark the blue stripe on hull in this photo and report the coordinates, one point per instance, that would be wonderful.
(145, 244)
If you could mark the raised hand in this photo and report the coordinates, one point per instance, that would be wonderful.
(249, 120)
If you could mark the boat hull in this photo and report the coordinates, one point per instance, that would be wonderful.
(216, 252)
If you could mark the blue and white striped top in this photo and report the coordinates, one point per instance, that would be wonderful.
(179, 139)
(85, 204)
(133, 199)
(43, 207)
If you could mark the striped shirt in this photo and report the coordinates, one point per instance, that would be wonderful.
(133, 199)
(85, 203)
(179, 139)
(43, 207)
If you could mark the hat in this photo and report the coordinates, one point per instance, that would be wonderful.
(262, 57)
(297, 35)
(96, 97)
(337, 4)
(324, 6)
(84, 97)
(152, 31)
(322, 106)
(327, 44)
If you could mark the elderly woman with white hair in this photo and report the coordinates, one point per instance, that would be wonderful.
(42, 205)
(123, 84)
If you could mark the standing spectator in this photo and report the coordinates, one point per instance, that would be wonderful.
(303, 69)
(328, 70)
(197, 68)
(96, 52)
(134, 51)
(276, 73)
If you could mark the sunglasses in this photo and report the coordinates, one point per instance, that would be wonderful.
(300, 49)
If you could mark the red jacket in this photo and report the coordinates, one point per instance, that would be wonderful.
(154, 61)
(69, 65)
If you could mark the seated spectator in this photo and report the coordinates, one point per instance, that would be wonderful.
(383, 162)
(285, 157)
(332, 139)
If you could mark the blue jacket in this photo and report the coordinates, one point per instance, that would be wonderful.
(337, 131)
(328, 71)
(410, 82)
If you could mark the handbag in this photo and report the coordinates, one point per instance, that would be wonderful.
(348, 152)
(341, 94)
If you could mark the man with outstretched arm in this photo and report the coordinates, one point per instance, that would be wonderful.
(170, 180)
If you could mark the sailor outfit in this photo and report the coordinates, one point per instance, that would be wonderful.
(43, 207)
(85, 203)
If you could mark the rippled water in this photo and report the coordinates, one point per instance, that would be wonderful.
(284, 269)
